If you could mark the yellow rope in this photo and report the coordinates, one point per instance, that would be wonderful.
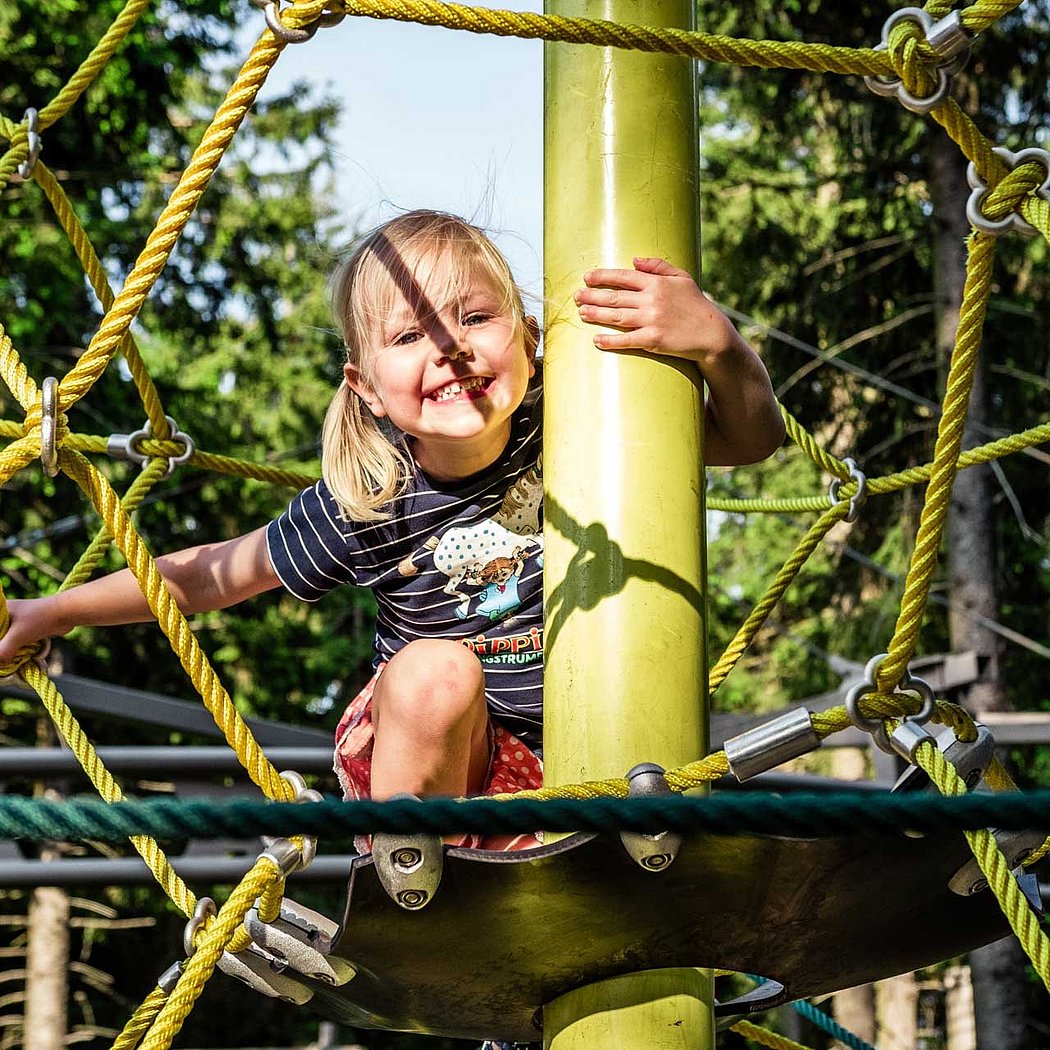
(140, 1021)
(764, 1037)
(201, 965)
(992, 863)
(945, 461)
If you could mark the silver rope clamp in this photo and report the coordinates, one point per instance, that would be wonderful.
(49, 426)
(170, 977)
(909, 740)
(1015, 221)
(126, 446)
(302, 939)
(771, 744)
(33, 141)
(947, 37)
(651, 852)
(858, 499)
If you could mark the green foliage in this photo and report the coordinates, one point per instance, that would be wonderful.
(818, 223)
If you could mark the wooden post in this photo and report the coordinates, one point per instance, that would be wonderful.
(625, 678)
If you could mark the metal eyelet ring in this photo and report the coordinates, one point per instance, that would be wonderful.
(205, 910)
(858, 498)
(288, 34)
(40, 659)
(49, 426)
(1014, 221)
(876, 726)
(302, 794)
(32, 119)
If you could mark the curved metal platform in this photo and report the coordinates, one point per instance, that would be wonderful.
(508, 932)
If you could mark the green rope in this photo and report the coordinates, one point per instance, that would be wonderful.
(812, 815)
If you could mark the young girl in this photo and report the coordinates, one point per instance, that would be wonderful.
(432, 497)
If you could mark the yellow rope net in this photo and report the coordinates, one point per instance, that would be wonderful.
(43, 432)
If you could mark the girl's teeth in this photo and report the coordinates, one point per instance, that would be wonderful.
(457, 388)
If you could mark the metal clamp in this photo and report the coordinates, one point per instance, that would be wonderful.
(946, 36)
(292, 34)
(125, 446)
(858, 498)
(1017, 847)
(284, 853)
(302, 938)
(408, 866)
(49, 426)
(170, 977)
(265, 974)
(650, 852)
(204, 911)
(771, 744)
(969, 757)
(876, 726)
(33, 141)
(1014, 221)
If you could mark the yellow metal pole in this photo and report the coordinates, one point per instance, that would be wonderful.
(625, 677)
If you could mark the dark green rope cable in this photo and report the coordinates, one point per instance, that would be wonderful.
(823, 815)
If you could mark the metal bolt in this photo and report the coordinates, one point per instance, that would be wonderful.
(406, 858)
(412, 898)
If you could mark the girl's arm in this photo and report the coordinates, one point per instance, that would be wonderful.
(660, 309)
(212, 576)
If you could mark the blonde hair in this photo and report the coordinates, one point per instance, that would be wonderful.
(365, 465)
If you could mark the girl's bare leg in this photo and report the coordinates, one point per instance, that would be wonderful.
(430, 722)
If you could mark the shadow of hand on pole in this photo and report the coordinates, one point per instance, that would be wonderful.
(598, 570)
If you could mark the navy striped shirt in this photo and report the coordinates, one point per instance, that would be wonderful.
(460, 560)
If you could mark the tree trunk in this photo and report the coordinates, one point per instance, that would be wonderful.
(998, 969)
(47, 962)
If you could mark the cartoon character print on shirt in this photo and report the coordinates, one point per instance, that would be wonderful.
(490, 554)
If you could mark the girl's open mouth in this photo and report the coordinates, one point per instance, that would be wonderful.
(467, 389)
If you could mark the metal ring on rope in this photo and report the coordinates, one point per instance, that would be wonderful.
(32, 119)
(947, 37)
(49, 426)
(858, 497)
(876, 726)
(204, 911)
(1015, 220)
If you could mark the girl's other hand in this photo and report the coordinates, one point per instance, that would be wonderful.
(656, 307)
(31, 622)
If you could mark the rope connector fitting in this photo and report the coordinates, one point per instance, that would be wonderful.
(49, 426)
(32, 119)
(948, 38)
(909, 683)
(204, 911)
(771, 744)
(1015, 221)
(126, 446)
(858, 498)
(170, 977)
(656, 851)
(285, 854)
(294, 34)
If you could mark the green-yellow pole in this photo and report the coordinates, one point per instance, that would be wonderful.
(625, 675)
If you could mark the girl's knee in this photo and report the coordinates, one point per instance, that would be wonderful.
(432, 681)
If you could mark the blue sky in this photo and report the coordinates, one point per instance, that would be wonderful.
(434, 118)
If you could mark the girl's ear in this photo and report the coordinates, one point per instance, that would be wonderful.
(364, 391)
(532, 341)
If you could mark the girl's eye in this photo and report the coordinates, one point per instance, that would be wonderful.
(476, 318)
(405, 338)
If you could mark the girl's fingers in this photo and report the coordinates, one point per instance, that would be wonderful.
(661, 267)
(616, 317)
(632, 280)
(622, 340)
(615, 297)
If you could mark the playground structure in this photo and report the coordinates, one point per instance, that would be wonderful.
(611, 573)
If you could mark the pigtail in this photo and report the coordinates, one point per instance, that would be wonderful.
(362, 468)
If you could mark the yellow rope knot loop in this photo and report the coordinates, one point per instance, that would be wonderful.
(924, 54)
(305, 19)
(997, 209)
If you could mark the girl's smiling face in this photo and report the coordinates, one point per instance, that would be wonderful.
(449, 362)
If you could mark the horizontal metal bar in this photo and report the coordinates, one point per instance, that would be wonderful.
(87, 694)
(131, 871)
(161, 762)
